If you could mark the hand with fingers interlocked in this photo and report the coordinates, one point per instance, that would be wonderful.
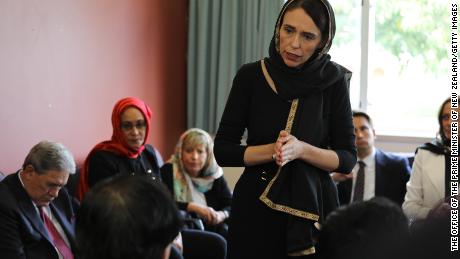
(287, 148)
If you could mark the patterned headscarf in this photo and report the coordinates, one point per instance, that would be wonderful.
(184, 184)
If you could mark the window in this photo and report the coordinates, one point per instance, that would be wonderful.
(398, 52)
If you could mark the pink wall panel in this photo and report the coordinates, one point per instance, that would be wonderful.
(63, 64)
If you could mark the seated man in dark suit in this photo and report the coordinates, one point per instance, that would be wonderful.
(134, 216)
(377, 173)
(36, 213)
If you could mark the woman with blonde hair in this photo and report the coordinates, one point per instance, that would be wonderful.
(197, 182)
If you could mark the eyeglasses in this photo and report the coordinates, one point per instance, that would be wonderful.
(127, 126)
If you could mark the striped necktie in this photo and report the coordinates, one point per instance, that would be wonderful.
(58, 241)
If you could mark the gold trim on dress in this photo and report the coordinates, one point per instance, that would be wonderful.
(283, 208)
(268, 77)
(308, 251)
(263, 197)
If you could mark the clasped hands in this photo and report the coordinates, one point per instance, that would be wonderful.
(287, 148)
(208, 214)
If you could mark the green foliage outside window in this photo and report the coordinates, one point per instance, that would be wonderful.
(409, 29)
(419, 28)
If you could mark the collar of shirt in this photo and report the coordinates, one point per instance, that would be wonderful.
(47, 208)
(368, 160)
(20, 180)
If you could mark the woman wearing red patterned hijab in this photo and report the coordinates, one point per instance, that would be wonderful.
(126, 151)
(131, 123)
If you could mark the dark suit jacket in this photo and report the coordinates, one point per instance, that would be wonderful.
(391, 175)
(22, 233)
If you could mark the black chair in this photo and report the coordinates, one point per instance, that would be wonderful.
(191, 220)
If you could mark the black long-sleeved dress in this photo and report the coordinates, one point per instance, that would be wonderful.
(256, 231)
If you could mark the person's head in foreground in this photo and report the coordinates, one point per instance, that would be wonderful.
(369, 229)
(127, 217)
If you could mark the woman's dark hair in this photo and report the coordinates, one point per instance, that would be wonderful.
(126, 217)
(441, 131)
(316, 9)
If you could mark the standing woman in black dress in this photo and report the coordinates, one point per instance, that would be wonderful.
(295, 107)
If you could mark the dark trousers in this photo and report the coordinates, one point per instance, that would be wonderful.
(200, 244)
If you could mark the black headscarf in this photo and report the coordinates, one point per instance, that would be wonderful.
(317, 74)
